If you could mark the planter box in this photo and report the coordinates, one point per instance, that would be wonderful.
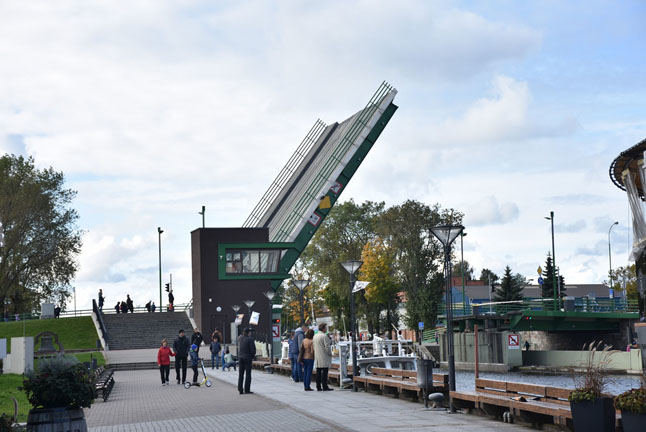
(594, 416)
(633, 422)
(56, 419)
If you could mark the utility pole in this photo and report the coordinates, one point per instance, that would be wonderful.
(203, 212)
(159, 232)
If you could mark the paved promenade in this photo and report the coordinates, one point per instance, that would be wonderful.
(139, 403)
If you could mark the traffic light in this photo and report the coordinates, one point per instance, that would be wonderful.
(167, 287)
(276, 321)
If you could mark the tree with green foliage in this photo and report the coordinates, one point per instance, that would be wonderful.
(343, 235)
(489, 278)
(469, 271)
(511, 287)
(406, 228)
(626, 278)
(547, 290)
(41, 239)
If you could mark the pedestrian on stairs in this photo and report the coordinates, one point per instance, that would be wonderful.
(101, 299)
(117, 307)
(163, 361)
(181, 346)
(131, 306)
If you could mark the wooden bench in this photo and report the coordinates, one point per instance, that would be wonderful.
(104, 382)
(398, 381)
(531, 403)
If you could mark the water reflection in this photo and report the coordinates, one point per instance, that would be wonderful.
(617, 383)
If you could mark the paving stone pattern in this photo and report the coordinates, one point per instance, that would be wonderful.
(140, 403)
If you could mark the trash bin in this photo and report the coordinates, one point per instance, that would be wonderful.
(425, 374)
(568, 303)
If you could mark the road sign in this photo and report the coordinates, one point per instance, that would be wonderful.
(539, 270)
(540, 280)
(420, 325)
(275, 331)
(513, 341)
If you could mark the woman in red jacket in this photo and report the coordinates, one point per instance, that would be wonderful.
(163, 360)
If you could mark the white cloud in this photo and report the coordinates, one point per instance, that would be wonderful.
(488, 211)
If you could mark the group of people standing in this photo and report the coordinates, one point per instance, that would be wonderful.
(307, 351)
(124, 306)
(182, 349)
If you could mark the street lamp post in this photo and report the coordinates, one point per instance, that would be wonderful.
(249, 304)
(235, 308)
(270, 337)
(554, 276)
(352, 267)
(464, 303)
(301, 284)
(610, 254)
(203, 212)
(161, 308)
(446, 234)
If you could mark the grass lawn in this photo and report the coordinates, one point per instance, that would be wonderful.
(9, 384)
(73, 333)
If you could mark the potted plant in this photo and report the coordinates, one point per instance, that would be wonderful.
(632, 404)
(58, 389)
(592, 409)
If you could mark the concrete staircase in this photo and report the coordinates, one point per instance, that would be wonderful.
(144, 330)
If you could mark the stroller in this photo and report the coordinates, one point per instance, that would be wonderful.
(205, 381)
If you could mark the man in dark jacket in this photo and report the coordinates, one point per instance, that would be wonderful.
(299, 335)
(196, 338)
(293, 357)
(180, 346)
(246, 353)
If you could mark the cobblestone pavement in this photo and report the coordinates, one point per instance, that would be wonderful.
(139, 402)
(364, 411)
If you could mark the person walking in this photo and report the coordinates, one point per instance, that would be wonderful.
(117, 307)
(299, 335)
(246, 353)
(171, 301)
(101, 299)
(215, 350)
(306, 358)
(195, 358)
(130, 304)
(124, 307)
(180, 346)
(163, 361)
(196, 338)
(293, 356)
(322, 357)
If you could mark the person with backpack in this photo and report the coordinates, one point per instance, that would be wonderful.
(194, 362)
(181, 346)
(163, 361)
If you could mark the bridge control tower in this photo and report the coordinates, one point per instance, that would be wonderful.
(232, 265)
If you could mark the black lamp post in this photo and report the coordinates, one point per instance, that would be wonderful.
(301, 284)
(446, 234)
(464, 302)
(161, 308)
(555, 276)
(236, 308)
(270, 337)
(610, 254)
(352, 267)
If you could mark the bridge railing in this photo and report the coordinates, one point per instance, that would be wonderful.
(581, 304)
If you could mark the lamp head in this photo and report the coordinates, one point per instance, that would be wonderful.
(301, 284)
(270, 294)
(235, 308)
(352, 266)
(447, 233)
(159, 230)
(249, 303)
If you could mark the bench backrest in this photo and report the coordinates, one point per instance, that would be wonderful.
(553, 394)
(439, 380)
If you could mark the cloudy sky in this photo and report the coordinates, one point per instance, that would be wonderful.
(152, 109)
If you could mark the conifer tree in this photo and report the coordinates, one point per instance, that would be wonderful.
(547, 290)
(510, 287)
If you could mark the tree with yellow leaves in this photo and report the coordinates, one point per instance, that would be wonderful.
(378, 261)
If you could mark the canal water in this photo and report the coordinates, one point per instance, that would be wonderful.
(464, 381)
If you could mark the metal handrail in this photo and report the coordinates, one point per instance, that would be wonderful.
(99, 318)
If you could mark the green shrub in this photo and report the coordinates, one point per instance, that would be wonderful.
(60, 382)
(633, 401)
